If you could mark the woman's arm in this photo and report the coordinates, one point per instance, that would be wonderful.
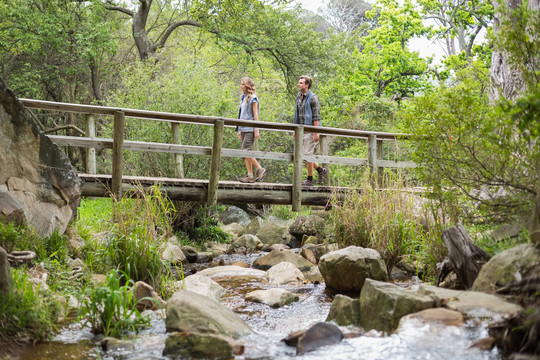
(255, 107)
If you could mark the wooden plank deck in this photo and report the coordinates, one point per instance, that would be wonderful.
(228, 191)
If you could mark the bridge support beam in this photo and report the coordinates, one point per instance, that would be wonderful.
(297, 169)
(118, 154)
(215, 164)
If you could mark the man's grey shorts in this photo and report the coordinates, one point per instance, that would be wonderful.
(309, 144)
(247, 140)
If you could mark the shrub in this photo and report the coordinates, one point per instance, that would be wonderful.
(385, 220)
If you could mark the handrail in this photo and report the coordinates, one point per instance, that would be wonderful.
(200, 119)
(118, 143)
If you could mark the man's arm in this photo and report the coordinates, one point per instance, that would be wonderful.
(316, 113)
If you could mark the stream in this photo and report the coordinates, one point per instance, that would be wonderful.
(413, 341)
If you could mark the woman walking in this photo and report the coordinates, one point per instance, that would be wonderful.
(249, 110)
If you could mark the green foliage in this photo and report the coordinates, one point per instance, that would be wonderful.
(47, 48)
(463, 144)
(110, 309)
(21, 238)
(94, 215)
(481, 235)
(381, 66)
(25, 314)
(385, 220)
(207, 226)
(57, 247)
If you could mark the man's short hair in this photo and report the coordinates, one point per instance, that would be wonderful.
(307, 80)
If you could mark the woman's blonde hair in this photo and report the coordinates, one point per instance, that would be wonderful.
(250, 86)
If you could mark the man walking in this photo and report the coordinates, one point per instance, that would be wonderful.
(308, 112)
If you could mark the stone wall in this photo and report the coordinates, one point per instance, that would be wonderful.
(38, 185)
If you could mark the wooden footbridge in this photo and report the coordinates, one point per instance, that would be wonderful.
(212, 190)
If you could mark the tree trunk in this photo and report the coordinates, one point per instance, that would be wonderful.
(464, 257)
(140, 35)
(505, 80)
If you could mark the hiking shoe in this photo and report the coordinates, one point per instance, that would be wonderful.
(307, 182)
(247, 179)
(260, 173)
(322, 175)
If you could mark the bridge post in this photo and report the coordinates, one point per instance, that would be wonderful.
(372, 157)
(297, 169)
(216, 163)
(380, 169)
(178, 158)
(118, 156)
(90, 152)
(323, 143)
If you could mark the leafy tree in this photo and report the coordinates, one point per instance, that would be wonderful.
(464, 144)
(250, 25)
(382, 66)
(53, 49)
(459, 20)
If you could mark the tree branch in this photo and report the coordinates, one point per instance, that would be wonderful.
(171, 28)
(111, 6)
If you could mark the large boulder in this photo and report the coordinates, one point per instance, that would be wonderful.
(246, 244)
(38, 185)
(273, 230)
(508, 266)
(285, 273)
(319, 335)
(274, 257)
(306, 225)
(146, 297)
(275, 297)
(473, 304)
(344, 311)
(234, 273)
(347, 269)
(205, 286)
(191, 312)
(382, 305)
(233, 214)
(181, 345)
(254, 226)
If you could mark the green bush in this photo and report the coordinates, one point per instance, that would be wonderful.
(25, 314)
(207, 226)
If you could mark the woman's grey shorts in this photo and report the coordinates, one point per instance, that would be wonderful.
(247, 140)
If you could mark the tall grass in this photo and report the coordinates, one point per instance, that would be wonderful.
(110, 309)
(139, 227)
(388, 220)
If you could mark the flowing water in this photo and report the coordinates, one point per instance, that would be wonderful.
(413, 341)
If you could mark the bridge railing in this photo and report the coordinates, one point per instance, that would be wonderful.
(118, 143)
